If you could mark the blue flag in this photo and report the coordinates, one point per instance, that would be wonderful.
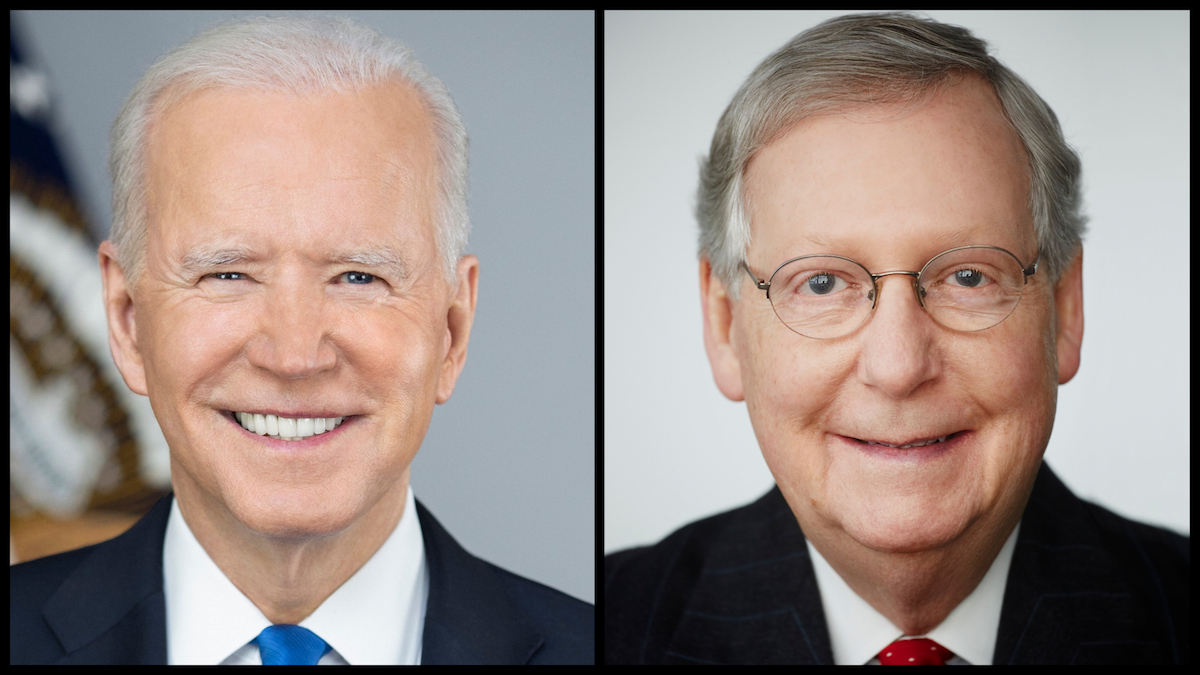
(79, 439)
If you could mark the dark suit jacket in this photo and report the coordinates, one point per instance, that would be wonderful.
(104, 604)
(1085, 586)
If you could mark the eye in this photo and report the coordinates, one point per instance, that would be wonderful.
(358, 278)
(967, 277)
(222, 276)
(821, 283)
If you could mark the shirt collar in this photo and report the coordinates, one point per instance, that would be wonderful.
(376, 617)
(857, 631)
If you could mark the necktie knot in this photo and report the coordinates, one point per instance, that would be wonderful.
(914, 652)
(288, 645)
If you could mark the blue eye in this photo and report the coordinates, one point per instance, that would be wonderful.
(359, 278)
(225, 274)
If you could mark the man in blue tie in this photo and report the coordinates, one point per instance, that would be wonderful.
(285, 281)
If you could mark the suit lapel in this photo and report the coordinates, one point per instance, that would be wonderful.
(468, 618)
(111, 609)
(1066, 600)
(756, 598)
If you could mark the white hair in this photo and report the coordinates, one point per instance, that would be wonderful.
(856, 61)
(296, 55)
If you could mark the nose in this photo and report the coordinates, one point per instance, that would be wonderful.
(899, 351)
(294, 329)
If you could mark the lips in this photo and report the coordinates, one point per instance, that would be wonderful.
(910, 452)
(905, 445)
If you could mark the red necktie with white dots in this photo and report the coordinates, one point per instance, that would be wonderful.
(915, 652)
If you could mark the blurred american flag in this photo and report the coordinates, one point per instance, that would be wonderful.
(86, 456)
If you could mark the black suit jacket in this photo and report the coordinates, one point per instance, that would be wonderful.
(1085, 586)
(104, 604)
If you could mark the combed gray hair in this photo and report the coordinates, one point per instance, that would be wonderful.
(856, 61)
(296, 55)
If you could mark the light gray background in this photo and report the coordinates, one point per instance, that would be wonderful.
(677, 450)
(508, 465)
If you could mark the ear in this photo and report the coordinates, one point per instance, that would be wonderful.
(718, 319)
(1068, 299)
(122, 327)
(459, 318)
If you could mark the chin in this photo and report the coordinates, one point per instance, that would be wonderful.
(297, 513)
(909, 527)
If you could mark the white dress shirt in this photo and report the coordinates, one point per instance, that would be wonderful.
(858, 632)
(376, 617)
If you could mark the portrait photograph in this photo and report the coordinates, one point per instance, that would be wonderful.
(249, 252)
(896, 337)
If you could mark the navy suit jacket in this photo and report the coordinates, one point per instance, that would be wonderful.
(1085, 586)
(104, 604)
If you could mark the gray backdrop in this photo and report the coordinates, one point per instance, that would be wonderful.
(508, 465)
(677, 450)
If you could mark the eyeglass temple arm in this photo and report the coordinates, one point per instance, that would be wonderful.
(1032, 269)
(760, 284)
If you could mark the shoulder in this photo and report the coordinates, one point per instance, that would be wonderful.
(1107, 574)
(102, 603)
(1155, 559)
(37, 579)
(569, 624)
(1156, 548)
(649, 586)
(31, 585)
(1156, 563)
(680, 553)
(483, 613)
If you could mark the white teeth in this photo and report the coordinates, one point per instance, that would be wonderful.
(289, 429)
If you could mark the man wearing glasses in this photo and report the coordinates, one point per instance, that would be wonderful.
(891, 276)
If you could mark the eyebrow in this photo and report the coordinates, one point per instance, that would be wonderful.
(205, 257)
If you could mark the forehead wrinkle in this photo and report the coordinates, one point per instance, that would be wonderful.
(816, 157)
(934, 243)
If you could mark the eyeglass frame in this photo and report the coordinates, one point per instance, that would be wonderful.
(765, 286)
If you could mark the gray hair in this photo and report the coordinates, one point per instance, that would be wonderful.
(856, 61)
(296, 55)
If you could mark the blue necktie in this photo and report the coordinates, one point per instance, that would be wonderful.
(287, 645)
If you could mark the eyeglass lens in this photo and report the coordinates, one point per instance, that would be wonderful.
(967, 290)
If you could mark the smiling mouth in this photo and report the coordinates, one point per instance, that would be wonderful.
(910, 444)
(286, 429)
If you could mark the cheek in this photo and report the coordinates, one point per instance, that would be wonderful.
(1020, 369)
(1023, 386)
(397, 353)
(784, 374)
(209, 336)
(788, 392)
(780, 381)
